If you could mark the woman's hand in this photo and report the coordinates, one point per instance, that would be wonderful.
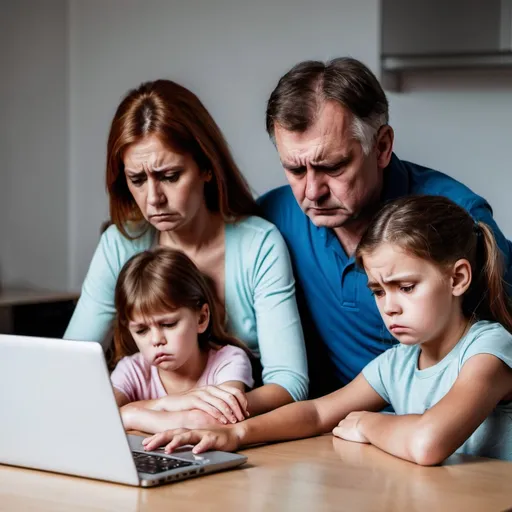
(225, 403)
(348, 428)
(223, 438)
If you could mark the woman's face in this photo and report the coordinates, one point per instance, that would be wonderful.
(167, 186)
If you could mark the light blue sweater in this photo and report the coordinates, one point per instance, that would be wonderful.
(259, 297)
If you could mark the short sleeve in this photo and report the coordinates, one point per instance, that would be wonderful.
(125, 378)
(232, 364)
(377, 372)
(280, 336)
(489, 338)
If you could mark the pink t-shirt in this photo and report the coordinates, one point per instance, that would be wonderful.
(139, 380)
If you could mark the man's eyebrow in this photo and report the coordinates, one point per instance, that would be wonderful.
(290, 165)
(332, 164)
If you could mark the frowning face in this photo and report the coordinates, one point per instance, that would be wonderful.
(331, 178)
(167, 186)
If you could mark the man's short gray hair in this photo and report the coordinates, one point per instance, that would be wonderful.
(295, 102)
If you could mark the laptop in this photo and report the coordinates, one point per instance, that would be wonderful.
(58, 413)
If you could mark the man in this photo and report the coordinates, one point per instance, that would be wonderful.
(329, 122)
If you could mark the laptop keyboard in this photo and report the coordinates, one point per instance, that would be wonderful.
(153, 464)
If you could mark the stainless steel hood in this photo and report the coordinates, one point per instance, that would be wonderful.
(444, 34)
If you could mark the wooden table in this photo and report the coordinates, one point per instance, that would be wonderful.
(315, 474)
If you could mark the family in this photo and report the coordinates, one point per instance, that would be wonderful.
(368, 297)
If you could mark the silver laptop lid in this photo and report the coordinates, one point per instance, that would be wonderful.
(58, 410)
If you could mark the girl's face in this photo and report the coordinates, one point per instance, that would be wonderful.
(169, 340)
(416, 299)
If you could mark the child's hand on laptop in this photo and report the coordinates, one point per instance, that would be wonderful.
(224, 438)
(227, 404)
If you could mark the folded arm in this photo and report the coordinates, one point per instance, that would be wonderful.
(431, 437)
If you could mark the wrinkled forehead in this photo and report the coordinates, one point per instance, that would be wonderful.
(330, 136)
(387, 260)
(151, 152)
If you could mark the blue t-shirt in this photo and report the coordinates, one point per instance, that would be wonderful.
(259, 297)
(394, 375)
(339, 313)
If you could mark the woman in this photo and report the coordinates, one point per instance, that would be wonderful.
(172, 182)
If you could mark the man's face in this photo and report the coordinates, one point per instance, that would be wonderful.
(331, 178)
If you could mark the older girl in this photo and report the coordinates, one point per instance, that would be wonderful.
(437, 279)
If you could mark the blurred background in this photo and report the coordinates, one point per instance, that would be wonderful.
(65, 64)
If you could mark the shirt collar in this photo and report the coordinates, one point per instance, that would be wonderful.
(396, 180)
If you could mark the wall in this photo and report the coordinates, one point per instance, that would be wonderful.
(66, 65)
(230, 53)
(34, 143)
(460, 123)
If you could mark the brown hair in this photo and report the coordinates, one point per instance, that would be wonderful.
(438, 230)
(181, 121)
(163, 280)
(295, 102)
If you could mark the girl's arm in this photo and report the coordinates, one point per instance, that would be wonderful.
(297, 420)
(431, 437)
(226, 403)
(146, 420)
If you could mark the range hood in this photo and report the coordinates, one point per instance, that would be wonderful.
(444, 34)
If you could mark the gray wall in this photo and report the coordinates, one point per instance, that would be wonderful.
(34, 143)
(72, 61)
(460, 123)
(230, 53)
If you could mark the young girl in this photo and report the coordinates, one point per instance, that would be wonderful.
(177, 366)
(436, 277)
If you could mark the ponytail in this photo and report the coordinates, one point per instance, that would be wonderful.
(493, 301)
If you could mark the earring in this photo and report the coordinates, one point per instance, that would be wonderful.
(209, 176)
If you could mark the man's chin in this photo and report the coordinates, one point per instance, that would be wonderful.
(328, 221)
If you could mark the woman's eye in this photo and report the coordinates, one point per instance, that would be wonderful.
(169, 325)
(138, 182)
(407, 289)
(377, 293)
(173, 178)
(141, 331)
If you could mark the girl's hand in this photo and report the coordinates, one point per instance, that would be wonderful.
(225, 403)
(349, 430)
(128, 413)
(224, 438)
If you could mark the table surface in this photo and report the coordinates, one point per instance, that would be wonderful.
(10, 296)
(317, 474)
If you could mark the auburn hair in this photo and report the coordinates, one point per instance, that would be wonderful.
(177, 116)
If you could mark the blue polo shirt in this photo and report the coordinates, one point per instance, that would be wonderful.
(340, 315)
